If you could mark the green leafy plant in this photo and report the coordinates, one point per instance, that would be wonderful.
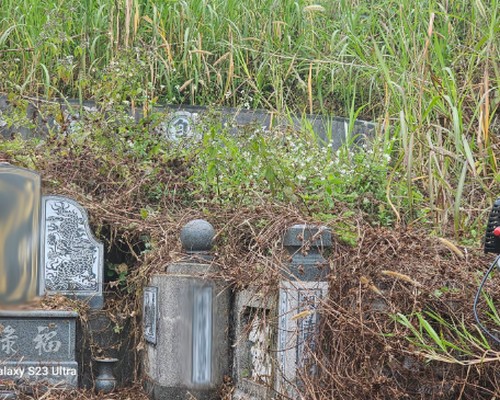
(446, 339)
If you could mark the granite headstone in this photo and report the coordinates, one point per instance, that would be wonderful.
(19, 233)
(72, 259)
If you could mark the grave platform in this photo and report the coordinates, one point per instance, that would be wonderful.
(38, 346)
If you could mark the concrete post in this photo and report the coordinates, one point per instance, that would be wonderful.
(303, 287)
(187, 324)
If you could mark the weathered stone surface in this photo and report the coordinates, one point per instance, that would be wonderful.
(150, 313)
(72, 259)
(8, 395)
(254, 345)
(192, 349)
(298, 324)
(298, 236)
(197, 236)
(181, 121)
(180, 126)
(305, 244)
(301, 292)
(19, 233)
(38, 346)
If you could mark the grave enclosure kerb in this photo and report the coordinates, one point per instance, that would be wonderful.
(181, 120)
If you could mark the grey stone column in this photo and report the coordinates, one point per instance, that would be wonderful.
(303, 287)
(186, 323)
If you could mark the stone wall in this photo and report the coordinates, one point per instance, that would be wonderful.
(180, 121)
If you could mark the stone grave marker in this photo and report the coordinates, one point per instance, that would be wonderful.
(19, 233)
(300, 294)
(72, 259)
(181, 125)
(38, 345)
(191, 354)
(254, 346)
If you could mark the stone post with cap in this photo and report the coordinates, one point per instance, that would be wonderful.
(302, 289)
(186, 318)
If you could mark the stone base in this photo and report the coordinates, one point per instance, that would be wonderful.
(39, 346)
(8, 395)
(158, 392)
(63, 374)
(250, 390)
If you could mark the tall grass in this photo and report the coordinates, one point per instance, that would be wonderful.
(428, 71)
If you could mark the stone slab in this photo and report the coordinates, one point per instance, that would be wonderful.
(298, 324)
(38, 345)
(191, 310)
(72, 259)
(19, 233)
(180, 124)
(305, 245)
(254, 345)
(150, 313)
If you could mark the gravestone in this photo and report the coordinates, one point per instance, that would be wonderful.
(19, 233)
(38, 345)
(301, 292)
(72, 259)
(254, 344)
(190, 355)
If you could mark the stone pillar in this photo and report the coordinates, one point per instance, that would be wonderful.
(303, 287)
(186, 323)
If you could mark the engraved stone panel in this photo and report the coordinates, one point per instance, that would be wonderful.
(38, 346)
(254, 344)
(150, 313)
(19, 233)
(298, 325)
(202, 335)
(72, 259)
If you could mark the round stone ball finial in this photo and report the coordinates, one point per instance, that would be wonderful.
(197, 236)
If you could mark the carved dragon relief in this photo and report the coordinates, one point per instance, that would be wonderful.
(71, 255)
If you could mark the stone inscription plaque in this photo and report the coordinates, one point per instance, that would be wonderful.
(38, 346)
(297, 329)
(72, 258)
(202, 335)
(150, 313)
(19, 233)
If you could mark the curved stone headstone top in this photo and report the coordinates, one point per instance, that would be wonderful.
(72, 259)
(19, 233)
(197, 237)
